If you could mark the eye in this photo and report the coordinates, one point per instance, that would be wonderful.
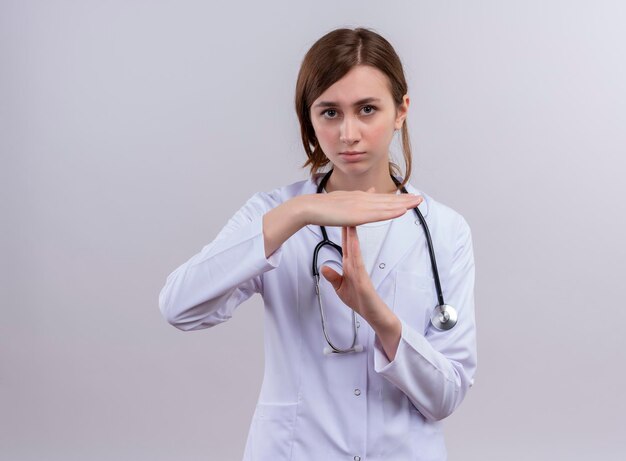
(331, 113)
(327, 111)
(373, 109)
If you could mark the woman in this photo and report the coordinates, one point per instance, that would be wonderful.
(384, 396)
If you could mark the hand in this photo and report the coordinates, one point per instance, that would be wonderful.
(355, 285)
(353, 208)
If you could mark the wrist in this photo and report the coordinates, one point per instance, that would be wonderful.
(377, 314)
(301, 210)
(389, 333)
(385, 322)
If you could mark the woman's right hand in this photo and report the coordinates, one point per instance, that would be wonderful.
(353, 208)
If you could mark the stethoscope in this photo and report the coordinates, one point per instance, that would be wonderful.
(444, 316)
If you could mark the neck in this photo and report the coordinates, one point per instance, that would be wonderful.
(382, 182)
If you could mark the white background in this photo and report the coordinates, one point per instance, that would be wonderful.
(132, 130)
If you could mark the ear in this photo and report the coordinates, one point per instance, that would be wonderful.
(402, 112)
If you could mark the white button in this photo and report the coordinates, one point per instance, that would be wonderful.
(358, 324)
(357, 392)
(357, 458)
(418, 222)
(381, 265)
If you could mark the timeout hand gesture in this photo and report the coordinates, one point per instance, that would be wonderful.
(355, 287)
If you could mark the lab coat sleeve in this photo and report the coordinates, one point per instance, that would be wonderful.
(205, 290)
(436, 370)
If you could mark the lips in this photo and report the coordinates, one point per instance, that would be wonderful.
(352, 156)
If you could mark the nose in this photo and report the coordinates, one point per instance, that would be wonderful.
(349, 133)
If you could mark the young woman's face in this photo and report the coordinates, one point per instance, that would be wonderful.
(357, 114)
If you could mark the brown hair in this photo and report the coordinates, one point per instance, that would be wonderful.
(327, 61)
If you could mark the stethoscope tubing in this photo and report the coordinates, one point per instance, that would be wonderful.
(431, 249)
(444, 317)
(418, 213)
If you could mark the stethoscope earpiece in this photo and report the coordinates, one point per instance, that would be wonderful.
(329, 351)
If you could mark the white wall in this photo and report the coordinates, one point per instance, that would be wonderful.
(132, 130)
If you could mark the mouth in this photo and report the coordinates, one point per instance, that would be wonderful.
(352, 156)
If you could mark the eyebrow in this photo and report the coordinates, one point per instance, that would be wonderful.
(358, 103)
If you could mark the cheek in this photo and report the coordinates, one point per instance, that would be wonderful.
(324, 135)
(381, 132)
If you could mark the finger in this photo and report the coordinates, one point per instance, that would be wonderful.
(394, 199)
(350, 243)
(405, 200)
(355, 249)
(334, 277)
(354, 241)
(416, 202)
(347, 253)
(408, 197)
(345, 237)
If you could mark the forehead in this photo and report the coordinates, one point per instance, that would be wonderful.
(360, 82)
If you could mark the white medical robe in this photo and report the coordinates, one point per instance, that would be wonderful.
(357, 406)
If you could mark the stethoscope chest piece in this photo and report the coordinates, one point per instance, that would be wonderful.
(444, 317)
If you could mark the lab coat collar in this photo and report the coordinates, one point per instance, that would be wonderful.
(399, 241)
